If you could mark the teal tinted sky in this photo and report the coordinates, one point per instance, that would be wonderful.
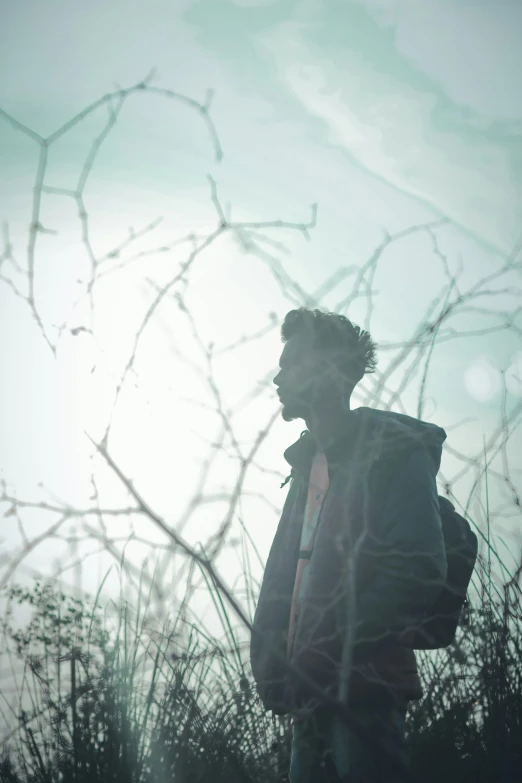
(387, 114)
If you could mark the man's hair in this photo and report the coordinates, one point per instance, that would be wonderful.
(334, 331)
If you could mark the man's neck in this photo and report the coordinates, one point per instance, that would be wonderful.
(325, 425)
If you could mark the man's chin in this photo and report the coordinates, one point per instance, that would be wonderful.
(292, 411)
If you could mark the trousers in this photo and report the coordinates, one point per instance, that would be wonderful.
(325, 750)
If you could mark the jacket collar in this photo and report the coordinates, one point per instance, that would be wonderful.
(301, 453)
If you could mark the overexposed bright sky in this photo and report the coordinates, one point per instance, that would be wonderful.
(386, 114)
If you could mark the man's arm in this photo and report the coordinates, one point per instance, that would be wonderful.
(412, 568)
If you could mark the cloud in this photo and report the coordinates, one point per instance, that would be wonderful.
(403, 130)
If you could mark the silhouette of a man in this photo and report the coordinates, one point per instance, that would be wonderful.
(352, 566)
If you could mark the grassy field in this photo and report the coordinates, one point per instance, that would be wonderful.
(101, 701)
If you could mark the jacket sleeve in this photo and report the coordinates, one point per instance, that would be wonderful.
(411, 568)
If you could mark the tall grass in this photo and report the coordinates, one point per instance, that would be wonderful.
(100, 701)
(121, 705)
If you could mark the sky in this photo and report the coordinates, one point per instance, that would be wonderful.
(386, 114)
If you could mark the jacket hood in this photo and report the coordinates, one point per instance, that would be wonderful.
(386, 431)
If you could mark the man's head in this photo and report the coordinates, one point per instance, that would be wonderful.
(324, 358)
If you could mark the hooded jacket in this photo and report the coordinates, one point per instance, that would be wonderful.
(377, 565)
